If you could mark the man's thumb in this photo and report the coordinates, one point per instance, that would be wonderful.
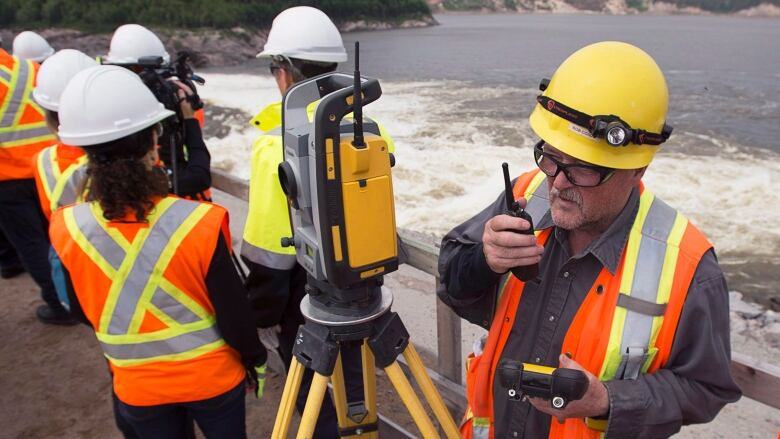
(568, 363)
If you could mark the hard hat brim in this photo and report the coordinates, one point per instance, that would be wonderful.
(333, 57)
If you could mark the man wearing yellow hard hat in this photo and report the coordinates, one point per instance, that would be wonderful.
(628, 290)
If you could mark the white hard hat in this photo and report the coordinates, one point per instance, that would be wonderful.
(133, 41)
(304, 33)
(106, 103)
(54, 75)
(29, 45)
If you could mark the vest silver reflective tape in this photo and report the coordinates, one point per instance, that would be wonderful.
(100, 240)
(17, 94)
(267, 258)
(647, 276)
(173, 308)
(170, 346)
(22, 133)
(5, 75)
(48, 169)
(73, 186)
(145, 263)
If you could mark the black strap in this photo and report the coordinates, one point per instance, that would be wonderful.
(591, 123)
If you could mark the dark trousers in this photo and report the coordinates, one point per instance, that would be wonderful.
(8, 256)
(25, 227)
(223, 416)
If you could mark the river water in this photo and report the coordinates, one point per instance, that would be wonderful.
(457, 97)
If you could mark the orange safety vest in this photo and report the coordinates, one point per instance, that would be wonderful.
(142, 288)
(23, 130)
(627, 322)
(60, 177)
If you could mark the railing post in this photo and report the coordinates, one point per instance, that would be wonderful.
(449, 359)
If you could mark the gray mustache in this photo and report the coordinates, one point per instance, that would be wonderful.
(569, 194)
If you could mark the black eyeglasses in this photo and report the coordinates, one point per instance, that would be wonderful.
(578, 174)
(274, 68)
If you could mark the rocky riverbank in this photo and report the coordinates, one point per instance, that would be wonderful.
(614, 7)
(210, 47)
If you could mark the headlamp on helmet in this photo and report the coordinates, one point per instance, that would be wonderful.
(611, 128)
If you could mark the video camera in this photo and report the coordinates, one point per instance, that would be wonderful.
(336, 175)
(155, 74)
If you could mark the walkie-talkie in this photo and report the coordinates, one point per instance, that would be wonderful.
(524, 272)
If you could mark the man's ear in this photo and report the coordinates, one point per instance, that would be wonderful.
(638, 174)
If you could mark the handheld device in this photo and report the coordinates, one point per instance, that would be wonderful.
(559, 386)
(525, 272)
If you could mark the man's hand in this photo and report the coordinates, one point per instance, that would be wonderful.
(182, 93)
(505, 247)
(595, 402)
(256, 380)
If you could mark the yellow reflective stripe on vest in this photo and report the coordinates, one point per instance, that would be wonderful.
(645, 287)
(536, 195)
(5, 75)
(12, 109)
(13, 99)
(138, 285)
(69, 188)
(480, 428)
(63, 188)
(46, 168)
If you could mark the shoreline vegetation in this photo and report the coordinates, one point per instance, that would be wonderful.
(223, 33)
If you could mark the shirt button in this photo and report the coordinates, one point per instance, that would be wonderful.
(565, 274)
(538, 360)
(514, 434)
(552, 318)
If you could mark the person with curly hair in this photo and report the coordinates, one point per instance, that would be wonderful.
(152, 273)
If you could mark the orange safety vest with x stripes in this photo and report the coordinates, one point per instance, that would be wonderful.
(60, 176)
(142, 288)
(23, 130)
(626, 324)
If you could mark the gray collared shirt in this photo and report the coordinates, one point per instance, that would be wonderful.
(692, 388)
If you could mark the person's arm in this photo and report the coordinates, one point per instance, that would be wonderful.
(696, 382)
(195, 176)
(228, 297)
(467, 284)
(269, 293)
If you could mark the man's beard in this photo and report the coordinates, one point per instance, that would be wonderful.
(576, 218)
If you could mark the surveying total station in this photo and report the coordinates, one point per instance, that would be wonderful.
(336, 175)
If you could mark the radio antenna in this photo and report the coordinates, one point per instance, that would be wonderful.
(510, 198)
(357, 98)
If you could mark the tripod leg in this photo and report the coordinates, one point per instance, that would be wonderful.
(287, 404)
(346, 422)
(412, 403)
(369, 385)
(431, 394)
(313, 404)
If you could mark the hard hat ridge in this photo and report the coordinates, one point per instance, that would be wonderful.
(30, 45)
(306, 33)
(106, 103)
(55, 73)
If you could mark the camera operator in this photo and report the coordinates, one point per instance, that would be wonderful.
(183, 151)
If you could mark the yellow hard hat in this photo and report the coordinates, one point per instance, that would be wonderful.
(605, 105)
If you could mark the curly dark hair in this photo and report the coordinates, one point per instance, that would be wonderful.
(120, 181)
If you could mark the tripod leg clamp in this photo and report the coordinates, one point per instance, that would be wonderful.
(315, 349)
(389, 341)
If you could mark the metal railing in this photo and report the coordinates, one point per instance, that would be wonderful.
(758, 380)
